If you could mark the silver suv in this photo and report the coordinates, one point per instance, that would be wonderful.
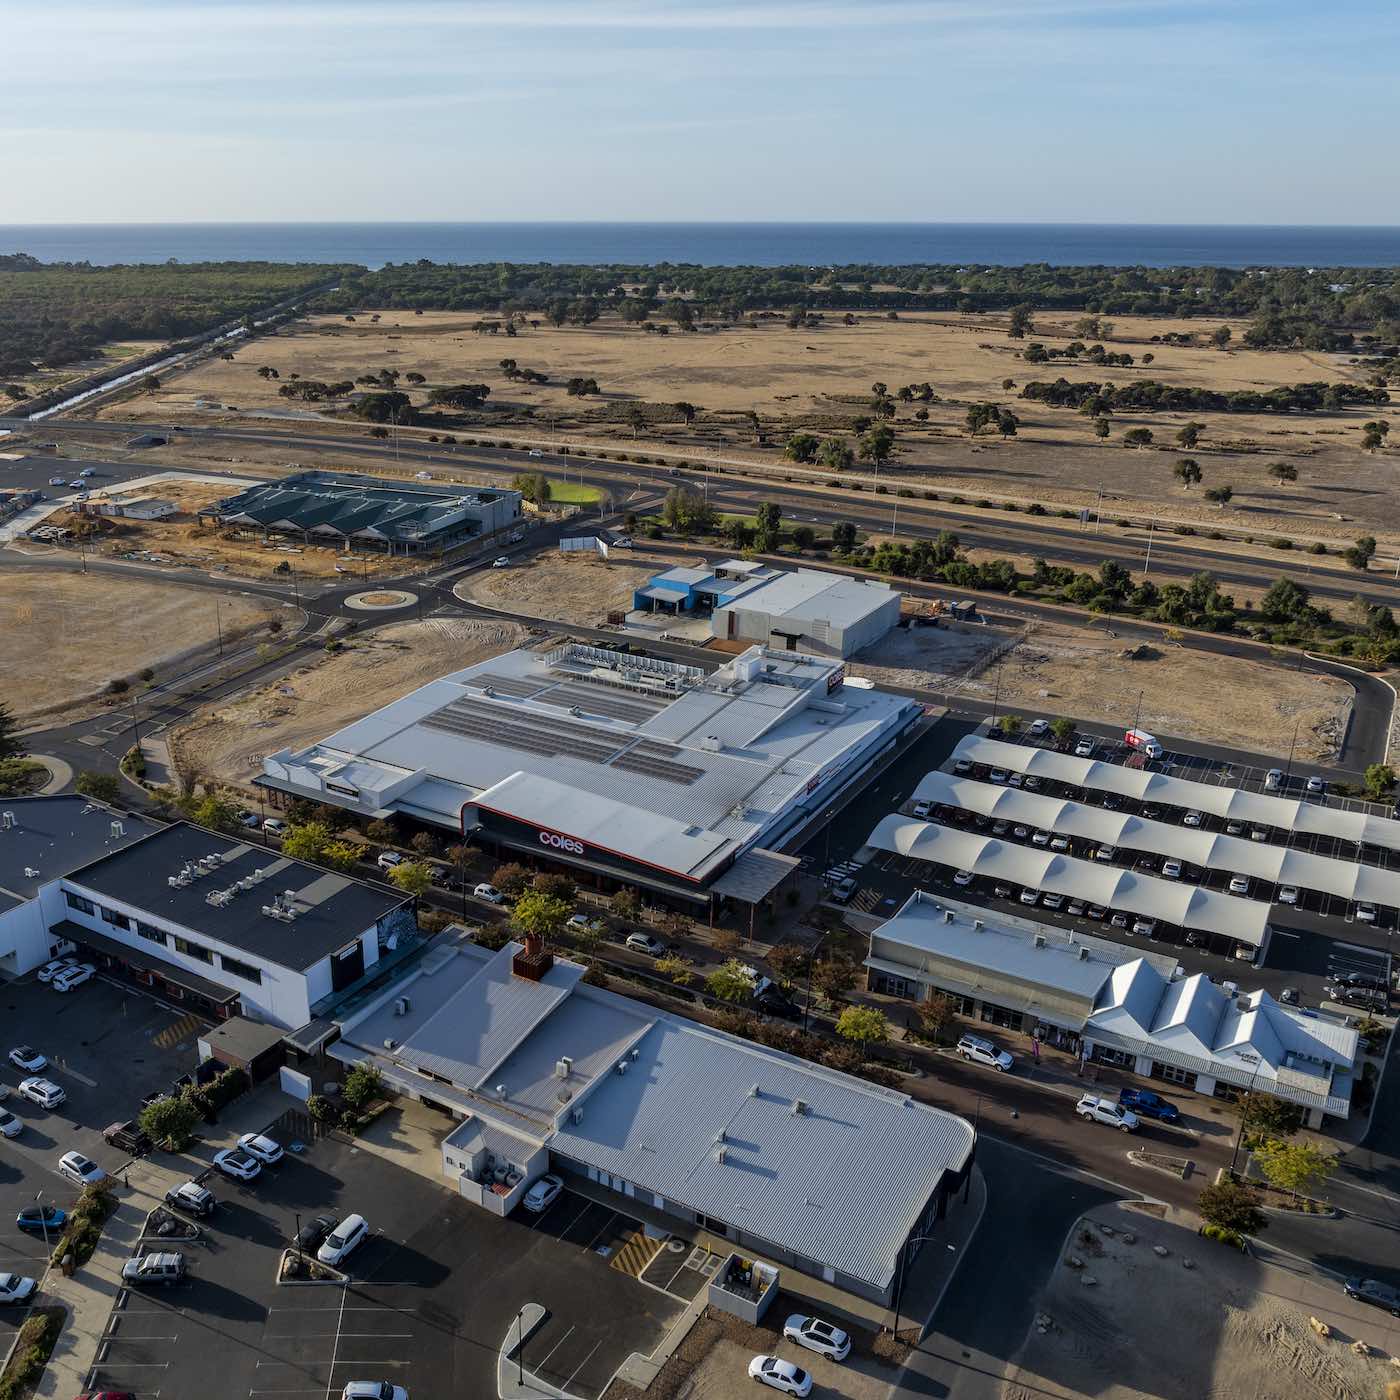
(983, 1052)
(1098, 1110)
(155, 1268)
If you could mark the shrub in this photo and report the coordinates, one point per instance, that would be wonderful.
(1218, 1232)
(363, 1084)
(321, 1109)
(170, 1121)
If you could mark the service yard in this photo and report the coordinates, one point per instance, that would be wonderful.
(65, 636)
(1202, 1320)
(228, 743)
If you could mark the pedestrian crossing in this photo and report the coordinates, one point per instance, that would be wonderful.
(177, 1031)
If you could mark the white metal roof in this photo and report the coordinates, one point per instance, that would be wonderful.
(1285, 813)
(1212, 851)
(812, 594)
(1189, 907)
(1242, 1039)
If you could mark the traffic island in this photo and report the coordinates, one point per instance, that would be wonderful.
(297, 1267)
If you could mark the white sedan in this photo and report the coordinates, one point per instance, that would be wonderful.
(501, 563)
(489, 893)
(73, 977)
(1288, 894)
(50, 970)
(263, 1148)
(44, 1092)
(237, 1163)
(10, 1126)
(780, 1375)
(80, 1170)
(543, 1193)
(818, 1336)
(15, 1288)
(26, 1057)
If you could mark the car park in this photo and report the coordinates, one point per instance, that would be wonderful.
(1288, 894)
(44, 1092)
(191, 1197)
(80, 1170)
(780, 1375)
(1094, 1109)
(10, 1126)
(543, 1193)
(164, 1268)
(27, 1058)
(489, 893)
(818, 1336)
(1053, 901)
(983, 1052)
(235, 1162)
(263, 1148)
(1171, 869)
(72, 977)
(343, 1240)
(1374, 1292)
(1146, 1104)
(378, 1390)
(646, 943)
(1239, 884)
(15, 1288)
(963, 877)
(41, 1219)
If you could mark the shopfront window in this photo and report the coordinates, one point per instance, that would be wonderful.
(1174, 1074)
(999, 1016)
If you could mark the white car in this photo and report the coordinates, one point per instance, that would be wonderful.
(963, 877)
(1041, 838)
(1366, 913)
(389, 859)
(534, 452)
(501, 563)
(543, 1193)
(10, 1126)
(1239, 884)
(15, 1288)
(274, 826)
(581, 922)
(79, 1169)
(192, 1197)
(248, 819)
(1192, 818)
(1098, 1110)
(983, 1052)
(1317, 785)
(922, 809)
(44, 1092)
(780, 1375)
(1171, 869)
(1084, 748)
(1258, 833)
(490, 894)
(373, 1390)
(1145, 928)
(1105, 853)
(820, 1337)
(1059, 843)
(26, 1057)
(57, 481)
(237, 1163)
(1288, 894)
(645, 943)
(263, 1148)
(1029, 896)
(50, 970)
(998, 775)
(1053, 901)
(73, 977)
(1038, 727)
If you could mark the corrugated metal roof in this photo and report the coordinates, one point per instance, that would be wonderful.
(1280, 865)
(1285, 813)
(808, 595)
(1185, 905)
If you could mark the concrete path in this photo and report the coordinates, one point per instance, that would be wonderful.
(60, 774)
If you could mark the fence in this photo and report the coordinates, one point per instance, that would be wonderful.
(584, 544)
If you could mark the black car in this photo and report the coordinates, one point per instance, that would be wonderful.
(1360, 979)
(1373, 1291)
(773, 1003)
(314, 1232)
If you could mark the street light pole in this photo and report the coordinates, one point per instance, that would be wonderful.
(1239, 1136)
(811, 958)
(1147, 562)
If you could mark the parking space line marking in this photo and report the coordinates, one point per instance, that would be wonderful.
(606, 1224)
(544, 1360)
(336, 1350)
(582, 1364)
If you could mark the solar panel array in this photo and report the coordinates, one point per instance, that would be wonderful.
(633, 709)
(509, 685)
(654, 760)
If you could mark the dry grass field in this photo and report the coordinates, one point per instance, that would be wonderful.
(819, 378)
(228, 743)
(580, 588)
(103, 628)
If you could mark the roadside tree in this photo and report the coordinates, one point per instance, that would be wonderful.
(104, 787)
(11, 745)
(863, 1026)
(170, 1122)
(730, 982)
(412, 877)
(1188, 472)
(1231, 1205)
(540, 913)
(1294, 1166)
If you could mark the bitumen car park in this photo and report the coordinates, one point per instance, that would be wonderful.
(432, 1295)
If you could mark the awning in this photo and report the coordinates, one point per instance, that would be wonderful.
(314, 1036)
(146, 962)
(755, 874)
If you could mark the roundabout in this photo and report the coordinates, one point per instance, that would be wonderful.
(381, 600)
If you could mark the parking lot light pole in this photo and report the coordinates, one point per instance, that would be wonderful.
(520, 1346)
(43, 1219)
(301, 1257)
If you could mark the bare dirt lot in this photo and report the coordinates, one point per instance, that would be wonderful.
(820, 378)
(229, 743)
(65, 636)
(1079, 671)
(580, 588)
(1230, 1328)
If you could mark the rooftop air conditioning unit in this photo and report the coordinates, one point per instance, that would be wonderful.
(174, 881)
(117, 830)
(720, 1155)
(948, 916)
(7, 821)
(753, 1091)
(1083, 954)
(635, 1053)
(799, 1107)
(1040, 940)
(289, 898)
(401, 1006)
(621, 1066)
(979, 923)
(562, 1066)
(30, 873)
(391, 1044)
(500, 1091)
(576, 1115)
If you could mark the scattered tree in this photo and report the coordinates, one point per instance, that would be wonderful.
(1294, 1166)
(730, 982)
(1189, 436)
(1361, 553)
(863, 1026)
(103, 787)
(1137, 437)
(1283, 472)
(412, 877)
(1231, 1205)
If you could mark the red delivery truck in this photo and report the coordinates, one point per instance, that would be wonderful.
(1141, 740)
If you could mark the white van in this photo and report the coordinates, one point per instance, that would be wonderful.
(345, 1238)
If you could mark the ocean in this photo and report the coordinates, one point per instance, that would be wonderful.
(713, 244)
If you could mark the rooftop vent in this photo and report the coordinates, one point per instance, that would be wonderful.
(7, 821)
(720, 1155)
(799, 1107)
(402, 1006)
(562, 1066)
(979, 923)
(117, 831)
(1083, 954)
(1040, 940)
(391, 1044)
(621, 1066)
(30, 873)
(753, 1092)
(720, 1137)
(948, 916)
(576, 1115)
(500, 1091)
(564, 1095)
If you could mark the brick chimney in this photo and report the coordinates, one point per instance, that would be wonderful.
(532, 962)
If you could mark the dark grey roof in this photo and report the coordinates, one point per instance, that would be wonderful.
(331, 909)
(244, 1038)
(55, 835)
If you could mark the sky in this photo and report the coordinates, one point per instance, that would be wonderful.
(1121, 111)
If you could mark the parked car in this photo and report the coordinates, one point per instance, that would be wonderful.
(50, 970)
(1192, 818)
(1239, 884)
(780, 1375)
(1367, 998)
(1002, 890)
(1146, 1104)
(127, 1137)
(80, 1170)
(1084, 748)
(1000, 828)
(247, 818)
(1038, 727)
(274, 826)
(191, 1197)
(42, 1218)
(1096, 1110)
(107, 1395)
(998, 775)
(1033, 782)
(1258, 833)
(344, 1240)
(1040, 838)
(1029, 896)
(15, 1288)
(44, 1092)
(489, 893)
(1075, 907)
(1366, 913)
(963, 878)
(962, 767)
(1171, 869)
(844, 889)
(10, 1126)
(983, 1052)
(1273, 780)
(1317, 786)
(1373, 1291)
(313, 1233)
(1233, 828)
(263, 1148)
(1053, 901)
(26, 1057)
(235, 1162)
(1105, 853)
(1145, 928)
(922, 809)
(1360, 979)
(1097, 911)
(583, 923)
(501, 563)
(387, 860)
(543, 1193)
(73, 976)
(1288, 894)
(155, 1268)
(646, 943)
(1118, 919)
(773, 1001)
(373, 1390)
(1059, 843)
(818, 1336)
